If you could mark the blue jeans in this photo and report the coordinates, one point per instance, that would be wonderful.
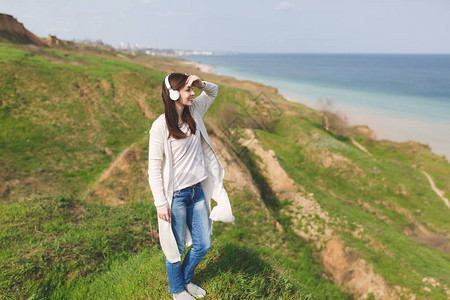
(188, 209)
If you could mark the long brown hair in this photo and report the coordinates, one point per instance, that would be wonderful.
(177, 81)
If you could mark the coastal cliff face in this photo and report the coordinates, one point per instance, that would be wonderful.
(317, 215)
(13, 31)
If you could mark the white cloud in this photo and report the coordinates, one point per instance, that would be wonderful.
(284, 5)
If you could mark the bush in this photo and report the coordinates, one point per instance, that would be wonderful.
(332, 120)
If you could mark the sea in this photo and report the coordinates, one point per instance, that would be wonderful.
(400, 97)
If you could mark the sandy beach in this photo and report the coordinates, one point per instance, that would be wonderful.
(389, 127)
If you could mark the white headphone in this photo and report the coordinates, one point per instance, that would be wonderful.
(173, 94)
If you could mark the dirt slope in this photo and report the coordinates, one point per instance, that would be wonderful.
(311, 222)
(12, 30)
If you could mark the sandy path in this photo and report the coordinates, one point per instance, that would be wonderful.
(436, 190)
(360, 146)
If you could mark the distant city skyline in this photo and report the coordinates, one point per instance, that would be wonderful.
(266, 26)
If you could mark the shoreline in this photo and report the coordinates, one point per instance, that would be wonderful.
(376, 120)
(204, 68)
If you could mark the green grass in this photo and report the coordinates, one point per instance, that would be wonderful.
(48, 242)
(82, 111)
(228, 272)
(62, 248)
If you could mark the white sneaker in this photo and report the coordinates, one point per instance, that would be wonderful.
(195, 290)
(183, 296)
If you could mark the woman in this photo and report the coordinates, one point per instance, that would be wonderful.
(184, 174)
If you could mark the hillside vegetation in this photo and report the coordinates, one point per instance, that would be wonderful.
(316, 217)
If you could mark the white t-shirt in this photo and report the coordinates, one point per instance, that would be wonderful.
(187, 159)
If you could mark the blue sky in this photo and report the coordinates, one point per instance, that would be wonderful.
(306, 26)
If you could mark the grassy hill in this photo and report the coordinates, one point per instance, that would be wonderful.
(316, 217)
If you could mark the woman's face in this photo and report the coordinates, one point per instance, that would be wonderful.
(186, 95)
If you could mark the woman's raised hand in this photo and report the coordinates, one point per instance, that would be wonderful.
(194, 80)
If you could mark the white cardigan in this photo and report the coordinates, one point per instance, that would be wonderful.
(161, 183)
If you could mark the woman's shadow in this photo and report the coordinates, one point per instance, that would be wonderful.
(233, 269)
